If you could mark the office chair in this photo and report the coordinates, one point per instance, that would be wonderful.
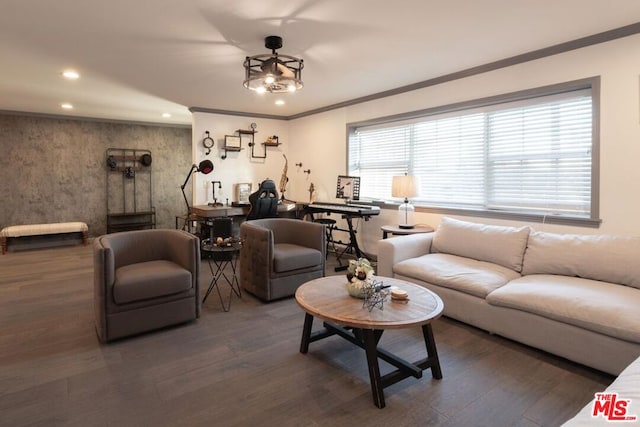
(264, 202)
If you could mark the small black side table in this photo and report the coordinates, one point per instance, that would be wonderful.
(221, 258)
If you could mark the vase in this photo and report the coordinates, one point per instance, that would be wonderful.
(356, 288)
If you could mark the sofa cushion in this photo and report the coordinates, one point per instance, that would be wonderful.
(600, 257)
(606, 308)
(288, 257)
(150, 279)
(466, 275)
(504, 246)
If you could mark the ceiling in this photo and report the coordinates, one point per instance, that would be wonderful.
(141, 58)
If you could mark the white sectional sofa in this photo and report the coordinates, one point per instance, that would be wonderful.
(576, 296)
(626, 389)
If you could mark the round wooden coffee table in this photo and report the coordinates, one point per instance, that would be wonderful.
(327, 299)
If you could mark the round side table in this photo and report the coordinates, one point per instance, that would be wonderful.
(397, 231)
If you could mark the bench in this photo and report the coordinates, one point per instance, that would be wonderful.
(42, 229)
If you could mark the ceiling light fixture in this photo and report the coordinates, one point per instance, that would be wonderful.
(273, 72)
(70, 75)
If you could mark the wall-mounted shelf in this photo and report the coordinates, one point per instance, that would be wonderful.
(131, 221)
(271, 141)
(233, 143)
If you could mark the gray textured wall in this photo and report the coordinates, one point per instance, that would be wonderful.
(55, 170)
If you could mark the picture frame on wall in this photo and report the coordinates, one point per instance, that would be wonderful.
(243, 191)
(232, 142)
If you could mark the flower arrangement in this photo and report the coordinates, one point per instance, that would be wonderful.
(359, 273)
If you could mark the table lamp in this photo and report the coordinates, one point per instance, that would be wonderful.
(405, 186)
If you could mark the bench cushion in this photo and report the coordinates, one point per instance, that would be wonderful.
(36, 229)
(150, 279)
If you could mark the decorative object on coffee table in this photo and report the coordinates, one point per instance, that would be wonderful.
(375, 294)
(359, 273)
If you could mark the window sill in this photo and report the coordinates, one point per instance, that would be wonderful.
(514, 216)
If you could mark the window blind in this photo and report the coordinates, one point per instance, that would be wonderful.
(532, 155)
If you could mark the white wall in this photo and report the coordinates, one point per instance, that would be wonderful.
(319, 141)
(239, 166)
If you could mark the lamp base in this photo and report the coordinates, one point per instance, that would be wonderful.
(405, 215)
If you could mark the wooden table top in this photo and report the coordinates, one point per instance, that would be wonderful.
(395, 229)
(327, 299)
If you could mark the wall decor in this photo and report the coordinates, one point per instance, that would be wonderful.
(231, 143)
(243, 190)
(208, 143)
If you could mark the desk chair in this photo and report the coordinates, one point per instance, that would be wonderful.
(264, 202)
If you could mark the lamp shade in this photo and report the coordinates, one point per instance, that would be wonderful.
(404, 186)
(205, 167)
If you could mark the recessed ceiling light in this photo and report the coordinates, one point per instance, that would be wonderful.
(66, 106)
(70, 75)
(279, 102)
(166, 115)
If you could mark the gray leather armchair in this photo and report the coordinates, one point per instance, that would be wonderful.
(280, 254)
(144, 280)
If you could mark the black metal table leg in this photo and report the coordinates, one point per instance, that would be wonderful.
(432, 353)
(218, 274)
(306, 333)
(377, 389)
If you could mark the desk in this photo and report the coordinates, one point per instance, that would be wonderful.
(202, 214)
(205, 211)
(397, 231)
(327, 299)
(221, 258)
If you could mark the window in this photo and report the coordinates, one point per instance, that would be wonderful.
(531, 154)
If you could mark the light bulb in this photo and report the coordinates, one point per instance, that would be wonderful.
(269, 79)
(261, 89)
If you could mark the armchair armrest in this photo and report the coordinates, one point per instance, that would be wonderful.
(256, 255)
(392, 251)
(184, 249)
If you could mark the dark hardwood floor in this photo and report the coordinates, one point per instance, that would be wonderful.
(243, 368)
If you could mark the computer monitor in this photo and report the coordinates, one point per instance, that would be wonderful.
(348, 187)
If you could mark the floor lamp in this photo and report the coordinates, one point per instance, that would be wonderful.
(405, 186)
(205, 167)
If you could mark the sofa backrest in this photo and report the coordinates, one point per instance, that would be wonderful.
(608, 258)
(500, 245)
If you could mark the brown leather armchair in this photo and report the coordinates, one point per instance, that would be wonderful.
(144, 280)
(280, 254)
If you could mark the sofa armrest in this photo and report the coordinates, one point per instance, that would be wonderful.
(396, 249)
